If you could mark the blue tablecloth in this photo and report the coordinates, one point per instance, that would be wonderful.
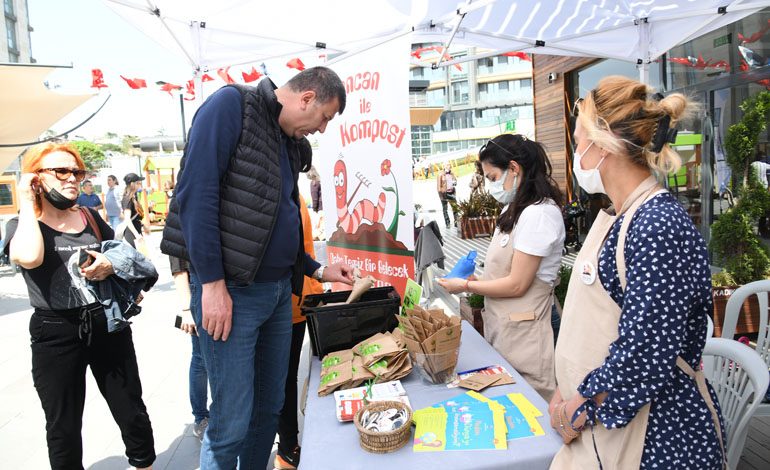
(329, 444)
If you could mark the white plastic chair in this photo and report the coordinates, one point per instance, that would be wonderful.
(740, 379)
(733, 310)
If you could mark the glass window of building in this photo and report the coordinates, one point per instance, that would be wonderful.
(460, 92)
(417, 73)
(10, 26)
(6, 192)
(502, 60)
(436, 97)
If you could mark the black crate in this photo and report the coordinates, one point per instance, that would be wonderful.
(343, 326)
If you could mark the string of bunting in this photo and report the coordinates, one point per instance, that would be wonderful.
(136, 83)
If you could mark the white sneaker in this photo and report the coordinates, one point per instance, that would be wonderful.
(199, 428)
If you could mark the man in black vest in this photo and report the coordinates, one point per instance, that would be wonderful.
(235, 216)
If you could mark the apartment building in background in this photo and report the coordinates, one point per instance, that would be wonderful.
(15, 42)
(461, 107)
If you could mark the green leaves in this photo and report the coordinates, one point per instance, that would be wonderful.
(92, 154)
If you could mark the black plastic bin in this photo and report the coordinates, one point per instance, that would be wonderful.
(340, 327)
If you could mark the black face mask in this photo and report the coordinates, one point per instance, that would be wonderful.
(58, 200)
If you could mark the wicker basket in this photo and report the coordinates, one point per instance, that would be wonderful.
(384, 442)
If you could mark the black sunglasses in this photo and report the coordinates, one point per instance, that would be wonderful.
(63, 174)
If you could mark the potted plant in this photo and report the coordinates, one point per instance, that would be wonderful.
(470, 309)
(477, 215)
(734, 244)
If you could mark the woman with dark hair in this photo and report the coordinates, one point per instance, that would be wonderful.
(53, 243)
(133, 212)
(523, 258)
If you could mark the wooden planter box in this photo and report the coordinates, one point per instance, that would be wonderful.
(748, 320)
(472, 315)
(472, 227)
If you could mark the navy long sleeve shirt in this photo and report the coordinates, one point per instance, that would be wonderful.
(214, 136)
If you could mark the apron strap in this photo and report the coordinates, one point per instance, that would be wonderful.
(645, 190)
(700, 379)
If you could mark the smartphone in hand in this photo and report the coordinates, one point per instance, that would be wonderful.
(84, 259)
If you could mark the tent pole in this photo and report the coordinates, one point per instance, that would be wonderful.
(644, 73)
(449, 42)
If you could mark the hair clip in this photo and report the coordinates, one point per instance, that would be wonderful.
(663, 134)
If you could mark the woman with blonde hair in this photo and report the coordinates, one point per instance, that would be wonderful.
(634, 321)
(54, 242)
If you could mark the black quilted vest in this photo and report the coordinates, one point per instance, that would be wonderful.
(250, 192)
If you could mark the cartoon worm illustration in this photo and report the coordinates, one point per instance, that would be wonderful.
(364, 210)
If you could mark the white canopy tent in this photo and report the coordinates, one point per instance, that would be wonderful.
(217, 34)
(30, 108)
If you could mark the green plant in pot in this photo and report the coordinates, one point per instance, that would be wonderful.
(476, 215)
(735, 245)
(470, 309)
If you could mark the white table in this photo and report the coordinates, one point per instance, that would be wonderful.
(329, 444)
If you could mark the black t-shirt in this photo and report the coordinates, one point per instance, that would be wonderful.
(50, 285)
(131, 203)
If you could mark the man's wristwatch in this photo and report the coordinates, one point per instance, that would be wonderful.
(318, 275)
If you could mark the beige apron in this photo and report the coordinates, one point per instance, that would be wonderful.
(520, 328)
(589, 325)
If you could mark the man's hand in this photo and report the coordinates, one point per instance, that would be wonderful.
(338, 272)
(217, 309)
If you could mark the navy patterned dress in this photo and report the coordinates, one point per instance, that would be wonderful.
(664, 309)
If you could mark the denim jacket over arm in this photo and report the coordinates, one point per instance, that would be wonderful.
(118, 293)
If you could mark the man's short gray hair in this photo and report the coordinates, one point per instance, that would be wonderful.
(323, 81)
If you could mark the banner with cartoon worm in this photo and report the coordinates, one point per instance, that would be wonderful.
(365, 161)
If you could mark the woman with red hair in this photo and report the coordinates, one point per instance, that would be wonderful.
(57, 246)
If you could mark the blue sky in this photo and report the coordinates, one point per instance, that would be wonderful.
(88, 34)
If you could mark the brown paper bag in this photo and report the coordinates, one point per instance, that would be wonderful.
(360, 374)
(398, 337)
(336, 358)
(359, 287)
(357, 347)
(335, 377)
(386, 366)
(375, 349)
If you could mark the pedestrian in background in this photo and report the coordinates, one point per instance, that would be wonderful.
(112, 202)
(87, 198)
(446, 184)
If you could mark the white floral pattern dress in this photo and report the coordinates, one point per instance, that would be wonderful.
(664, 310)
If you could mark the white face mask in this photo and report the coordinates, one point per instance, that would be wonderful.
(589, 180)
(498, 192)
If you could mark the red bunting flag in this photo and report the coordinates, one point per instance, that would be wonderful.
(190, 90)
(168, 87)
(135, 83)
(225, 76)
(97, 79)
(207, 78)
(519, 54)
(252, 76)
(296, 63)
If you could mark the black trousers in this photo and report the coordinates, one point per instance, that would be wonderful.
(59, 361)
(447, 201)
(288, 427)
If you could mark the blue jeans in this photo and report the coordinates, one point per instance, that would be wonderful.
(199, 382)
(247, 374)
(114, 221)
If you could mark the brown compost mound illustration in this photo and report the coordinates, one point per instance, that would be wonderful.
(368, 236)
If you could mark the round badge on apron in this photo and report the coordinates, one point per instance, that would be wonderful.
(588, 273)
(504, 239)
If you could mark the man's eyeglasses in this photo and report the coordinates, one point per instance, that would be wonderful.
(63, 174)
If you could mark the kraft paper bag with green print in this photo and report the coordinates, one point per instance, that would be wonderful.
(335, 377)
